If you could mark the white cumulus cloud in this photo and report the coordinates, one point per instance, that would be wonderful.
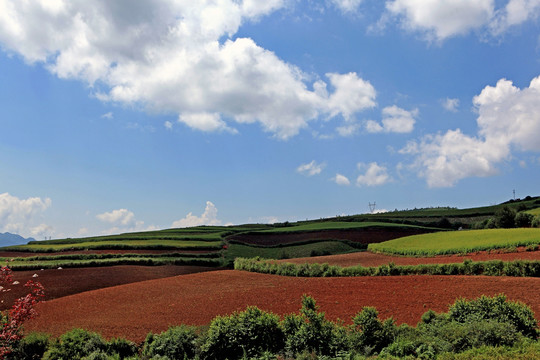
(394, 120)
(508, 120)
(440, 19)
(208, 217)
(178, 57)
(375, 175)
(19, 215)
(119, 216)
(310, 169)
(341, 180)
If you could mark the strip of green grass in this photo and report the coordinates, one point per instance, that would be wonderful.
(336, 225)
(458, 242)
(534, 211)
(127, 244)
(141, 261)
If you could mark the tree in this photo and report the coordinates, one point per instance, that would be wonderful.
(505, 217)
(22, 310)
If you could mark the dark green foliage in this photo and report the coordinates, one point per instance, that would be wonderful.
(536, 222)
(75, 344)
(496, 309)
(122, 347)
(370, 332)
(505, 217)
(31, 347)
(523, 220)
(175, 343)
(250, 332)
(311, 332)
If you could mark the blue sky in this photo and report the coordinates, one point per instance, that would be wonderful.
(117, 117)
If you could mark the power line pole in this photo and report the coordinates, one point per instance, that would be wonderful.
(372, 207)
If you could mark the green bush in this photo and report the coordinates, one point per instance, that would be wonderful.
(32, 347)
(311, 331)
(369, 331)
(505, 217)
(496, 309)
(536, 221)
(176, 343)
(247, 333)
(75, 344)
(122, 347)
(523, 219)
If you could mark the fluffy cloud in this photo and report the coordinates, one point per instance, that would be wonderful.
(119, 217)
(375, 175)
(395, 120)
(441, 19)
(310, 169)
(508, 119)
(180, 58)
(450, 104)
(341, 180)
(208, 217)
(19, 215)
(515, 13)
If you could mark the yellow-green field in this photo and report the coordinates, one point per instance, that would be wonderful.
(455, 242)
(534, 211)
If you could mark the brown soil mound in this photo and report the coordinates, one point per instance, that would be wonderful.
(363, 236)
(133, 310)
(371, 259)
(59, 283)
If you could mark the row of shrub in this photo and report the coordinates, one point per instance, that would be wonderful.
(481, 325)
(529, 268)
(141, 261)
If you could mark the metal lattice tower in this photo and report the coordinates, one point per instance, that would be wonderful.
(372, 207)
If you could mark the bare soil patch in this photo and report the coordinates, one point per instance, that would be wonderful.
(368, 259)
(363, 236)
(59, 283)
(133, 310)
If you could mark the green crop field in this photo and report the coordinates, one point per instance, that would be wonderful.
(335, 225)
(114, 244)
(535, 212)
(456, 242)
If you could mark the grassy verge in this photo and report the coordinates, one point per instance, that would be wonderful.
(458, 242)
(529, 268)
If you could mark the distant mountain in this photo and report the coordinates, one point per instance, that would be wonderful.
(8, 239)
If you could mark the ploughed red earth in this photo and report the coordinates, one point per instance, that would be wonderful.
(132, 310)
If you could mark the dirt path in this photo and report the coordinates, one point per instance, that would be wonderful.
(133, 310)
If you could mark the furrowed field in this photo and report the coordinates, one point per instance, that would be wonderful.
(402, 263)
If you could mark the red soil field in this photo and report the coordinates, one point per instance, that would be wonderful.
(362, 235)
(59, 283)
(368, 259)
(133, 310)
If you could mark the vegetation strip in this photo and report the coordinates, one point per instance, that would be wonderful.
(141, 261)
(521, 268)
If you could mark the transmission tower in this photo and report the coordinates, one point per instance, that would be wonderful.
(372, 207)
